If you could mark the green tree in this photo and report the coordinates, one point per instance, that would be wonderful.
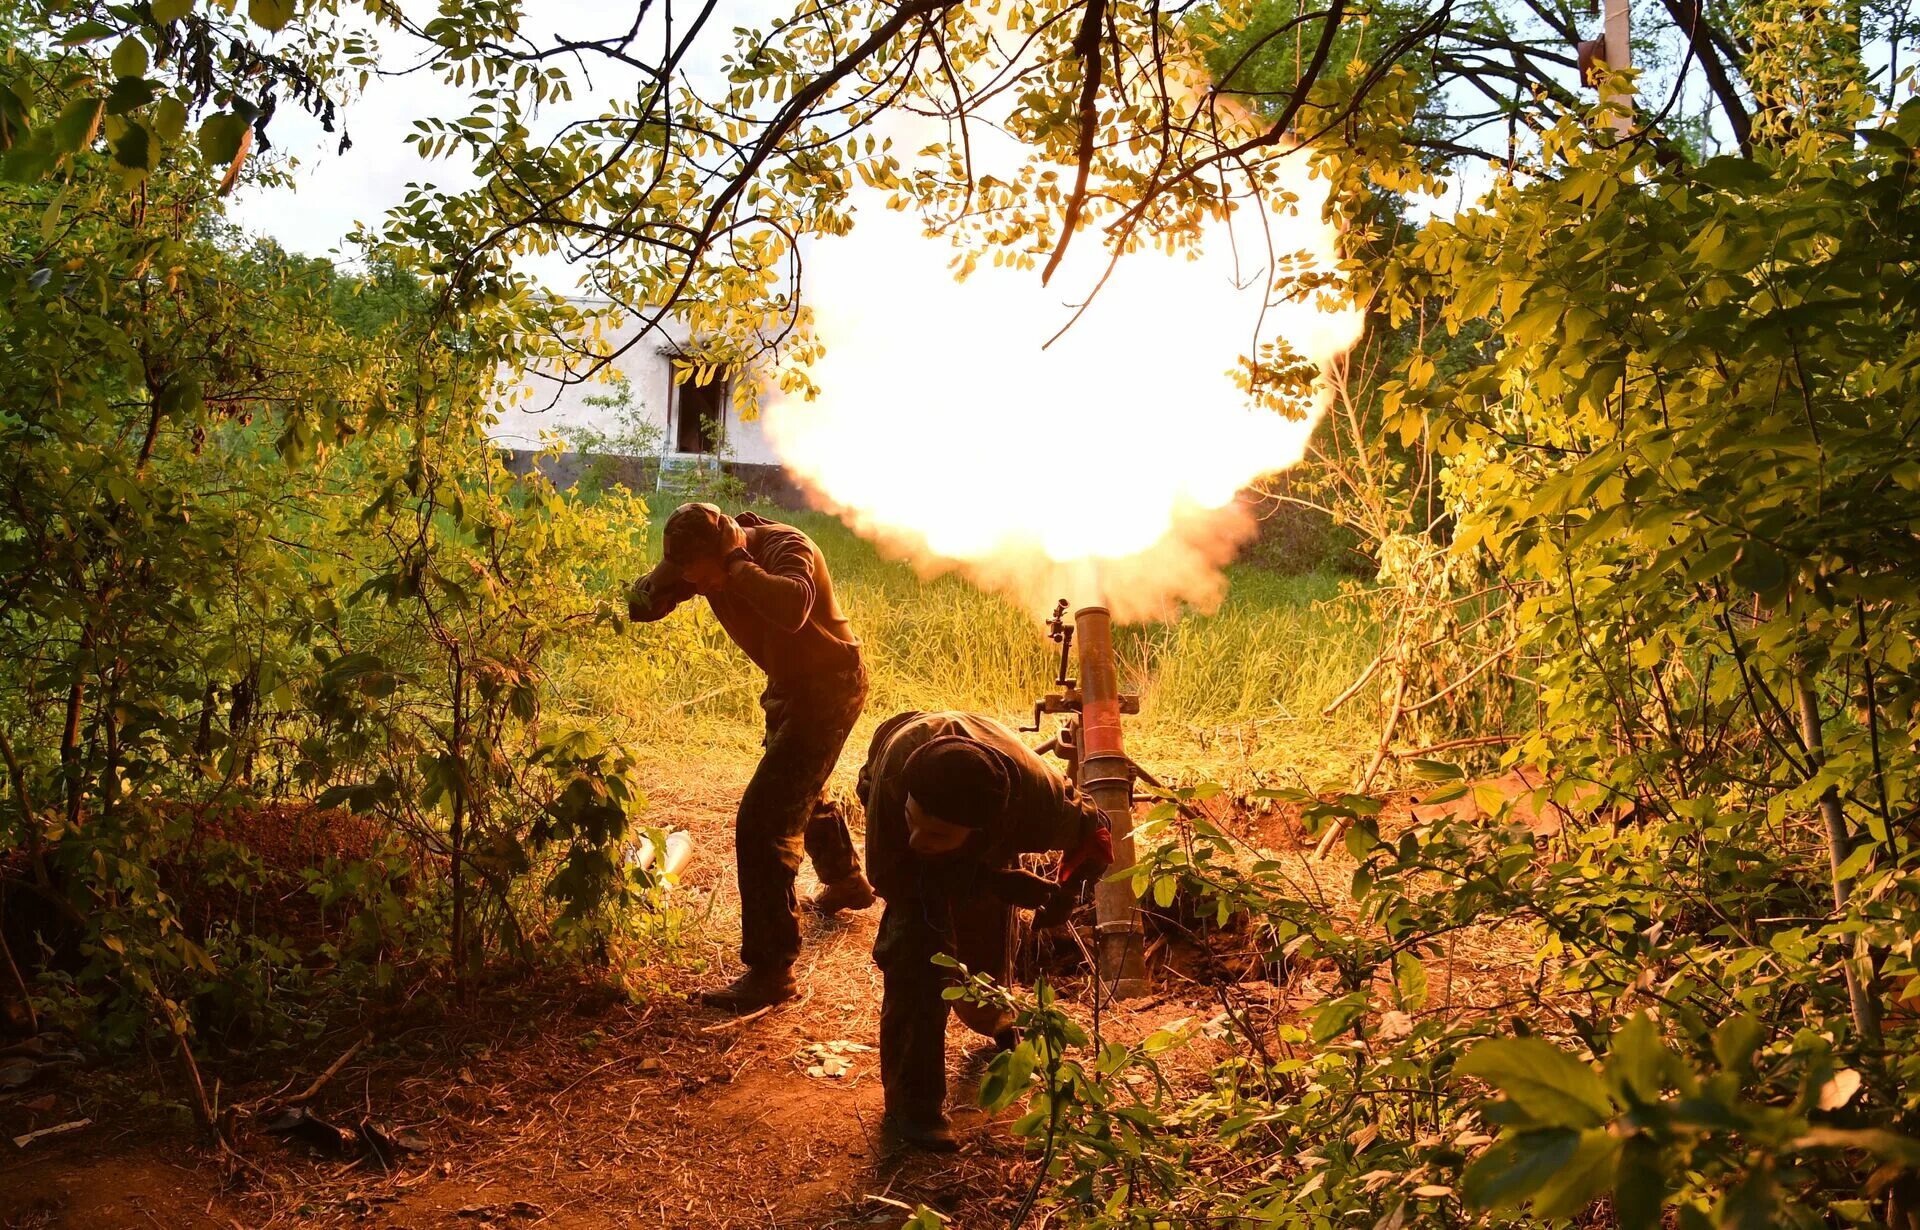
(252, 537)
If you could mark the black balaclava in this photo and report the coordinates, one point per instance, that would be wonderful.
(958, 780)
(963, 782)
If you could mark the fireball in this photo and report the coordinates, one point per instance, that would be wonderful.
(953, 427)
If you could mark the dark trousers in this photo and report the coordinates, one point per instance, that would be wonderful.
(973, 929)
(784, 810)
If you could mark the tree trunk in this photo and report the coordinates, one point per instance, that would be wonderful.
(70, 766)
(457, 829)
(1866, 1013)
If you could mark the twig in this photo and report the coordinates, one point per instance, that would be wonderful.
(1087, 46)
(1858, 972)
(553, 1101)
(333, 1069)
(1455, 744)
(26, 994)
(1353, 689)
(1462, 681)
(707, 696)
(203, 1106)
(1380, 754)
(732, 1021)
(56, 1130)
(29, 822)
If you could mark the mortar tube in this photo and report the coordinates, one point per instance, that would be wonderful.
(1106, 774)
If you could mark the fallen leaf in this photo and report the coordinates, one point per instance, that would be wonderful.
(1840, 1090)
(828, 1060)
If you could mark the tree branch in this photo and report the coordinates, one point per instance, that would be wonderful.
(1086, 45)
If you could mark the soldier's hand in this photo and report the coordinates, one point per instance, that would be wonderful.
(1059, 908)
(656, 593)
(1021, 888)
(638, 599)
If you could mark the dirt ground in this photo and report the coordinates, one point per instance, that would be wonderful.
(564, 1104)
(560, 1106)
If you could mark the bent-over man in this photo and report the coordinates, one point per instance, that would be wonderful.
(768, 586)
(952, 800)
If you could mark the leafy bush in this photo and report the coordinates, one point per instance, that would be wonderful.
(607, 450)
(1686, 465)
(252, 542)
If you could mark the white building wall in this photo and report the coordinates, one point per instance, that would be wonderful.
(648, 367)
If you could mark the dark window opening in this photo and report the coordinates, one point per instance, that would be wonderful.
(699, 410)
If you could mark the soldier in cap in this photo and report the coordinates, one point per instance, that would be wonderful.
(952, 800)
(768, 586)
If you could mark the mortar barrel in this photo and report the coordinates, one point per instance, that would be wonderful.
(1106, 774)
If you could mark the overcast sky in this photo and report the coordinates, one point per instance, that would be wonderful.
(332, 191)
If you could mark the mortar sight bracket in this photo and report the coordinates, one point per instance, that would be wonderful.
(1067, 699)
(1060, 632)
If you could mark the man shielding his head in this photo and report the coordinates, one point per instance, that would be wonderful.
(768, 586)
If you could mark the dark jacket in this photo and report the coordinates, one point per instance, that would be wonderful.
(1044, 811)
(778, 606)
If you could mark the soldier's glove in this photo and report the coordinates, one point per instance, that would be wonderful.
(1079, 867)
(1086, 861)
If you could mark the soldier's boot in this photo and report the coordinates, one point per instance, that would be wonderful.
(760, 987)
(849, 892)
(932, 1133)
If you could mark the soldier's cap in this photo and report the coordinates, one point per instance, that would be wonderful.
(959, 780)
(695, 532)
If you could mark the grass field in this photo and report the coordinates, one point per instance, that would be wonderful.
(1234, 694)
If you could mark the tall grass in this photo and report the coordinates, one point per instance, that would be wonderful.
(1236, 692)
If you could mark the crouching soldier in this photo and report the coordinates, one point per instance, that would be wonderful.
(952, 800)
(768, 586)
